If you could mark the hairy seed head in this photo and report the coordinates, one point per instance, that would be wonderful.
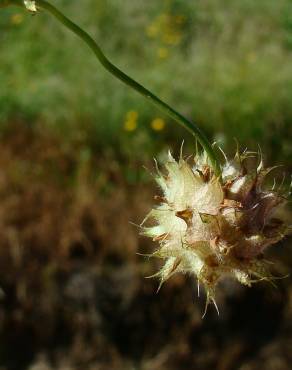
(211, 227)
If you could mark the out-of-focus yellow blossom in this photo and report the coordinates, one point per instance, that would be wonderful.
(162, 53)
(130, 126)
(16, 19)
(132, 115)
(158, 124)
(130, 123)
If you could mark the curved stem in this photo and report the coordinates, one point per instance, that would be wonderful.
(190, 126)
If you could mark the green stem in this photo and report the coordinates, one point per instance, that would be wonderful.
(190, 126)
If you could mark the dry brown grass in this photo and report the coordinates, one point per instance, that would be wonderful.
(75, 296)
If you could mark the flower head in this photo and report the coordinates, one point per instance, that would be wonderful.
(215, 227)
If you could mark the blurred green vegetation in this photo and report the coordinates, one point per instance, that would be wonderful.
(224, 64)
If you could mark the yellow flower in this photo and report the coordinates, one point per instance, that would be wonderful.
(16, 19)
(158, 124)
(130, 126)
(132, 115)
(130, 123)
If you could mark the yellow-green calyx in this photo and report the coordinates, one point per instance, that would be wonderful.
(215, 228)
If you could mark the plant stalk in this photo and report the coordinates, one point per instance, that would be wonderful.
(110, 67)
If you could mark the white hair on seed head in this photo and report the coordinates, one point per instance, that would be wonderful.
(211, 227)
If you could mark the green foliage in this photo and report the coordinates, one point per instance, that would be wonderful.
(225, 64)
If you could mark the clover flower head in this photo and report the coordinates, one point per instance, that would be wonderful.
(215, 227)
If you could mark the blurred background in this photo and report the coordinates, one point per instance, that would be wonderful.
(74, 144)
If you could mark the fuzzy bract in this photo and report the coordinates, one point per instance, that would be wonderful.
(215, 227)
